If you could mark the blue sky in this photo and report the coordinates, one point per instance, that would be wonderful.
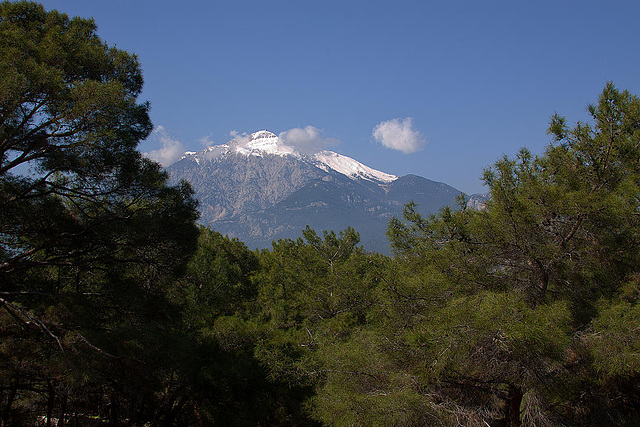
(477, 80)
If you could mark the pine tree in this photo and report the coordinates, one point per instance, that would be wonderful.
(525, 311)
(90, 231)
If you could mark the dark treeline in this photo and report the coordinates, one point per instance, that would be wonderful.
(115, 308)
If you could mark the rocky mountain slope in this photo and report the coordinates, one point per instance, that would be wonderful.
(259, 190)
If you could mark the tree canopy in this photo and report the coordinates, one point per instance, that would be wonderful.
(529, 292)
(90, 232)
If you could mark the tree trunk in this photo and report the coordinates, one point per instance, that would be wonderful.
(6, 414)
(114, 411)
(514, 400)
(50, 402)
(63, 411)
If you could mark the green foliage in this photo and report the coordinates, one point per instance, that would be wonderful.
(615, 340)
(218, 377)
(218, 278)
(313, 293)
(91, 235)
(614, 335)
(532, 290)
(364, 386)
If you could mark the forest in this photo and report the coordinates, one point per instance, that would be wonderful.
(116, 308)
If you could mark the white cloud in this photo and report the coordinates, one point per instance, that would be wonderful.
(171, 149)
(207, 141)
(307, 140)
(399, 134)
(239, 139)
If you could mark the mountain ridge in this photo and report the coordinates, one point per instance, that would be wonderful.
(258, 189)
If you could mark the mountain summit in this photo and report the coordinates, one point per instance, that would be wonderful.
(259, 189)
(265, 143)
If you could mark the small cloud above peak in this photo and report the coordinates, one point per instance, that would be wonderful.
(307, 140)
(239, 139)
(399, 134)
(207, 141)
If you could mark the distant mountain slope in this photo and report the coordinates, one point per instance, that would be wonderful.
(429, 195)
(260, 190)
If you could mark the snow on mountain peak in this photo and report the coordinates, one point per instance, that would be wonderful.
(265, 142)
(262, 134)
(351, 167)
(262, 142)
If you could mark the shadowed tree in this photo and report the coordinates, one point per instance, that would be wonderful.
(89, 230)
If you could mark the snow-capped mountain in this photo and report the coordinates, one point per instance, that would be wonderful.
(259, 189)
(264, 143)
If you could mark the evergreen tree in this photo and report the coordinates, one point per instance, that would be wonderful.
(531, 291)
(90, 232)
(313, 292)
